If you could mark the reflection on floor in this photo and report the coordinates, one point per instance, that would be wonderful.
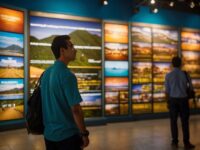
(138, 135)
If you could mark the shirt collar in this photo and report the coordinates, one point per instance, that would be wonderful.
(60, 63)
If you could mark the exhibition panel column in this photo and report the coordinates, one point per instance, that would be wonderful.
(85, 34)
(116, 74)
(165, 47)
(190, 46)
(11, 64)
(153, 47)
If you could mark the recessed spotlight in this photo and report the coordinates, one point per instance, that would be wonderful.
(152, 1)
(105, 2)
(154, 10)
(192, 4)
(171, 4)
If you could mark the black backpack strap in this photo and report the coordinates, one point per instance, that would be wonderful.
(39, 81)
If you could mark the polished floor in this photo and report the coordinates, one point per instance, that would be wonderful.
(137, 135)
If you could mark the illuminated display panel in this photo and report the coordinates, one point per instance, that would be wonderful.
(116, 69)
(11, 64)
(11, 44)
(86, 36)
(11, 20)
(190, 45)
(11, 99)
(141, 40)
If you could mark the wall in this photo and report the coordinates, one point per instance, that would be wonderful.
(167, 17)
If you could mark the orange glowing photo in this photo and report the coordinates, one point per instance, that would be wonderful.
(11, 20)
(116, 33)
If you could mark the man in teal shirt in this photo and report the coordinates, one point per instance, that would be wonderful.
(62, 114)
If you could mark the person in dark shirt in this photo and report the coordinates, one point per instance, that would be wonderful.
(176, 94)
(62, 113)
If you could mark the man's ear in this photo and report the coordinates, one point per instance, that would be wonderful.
(62, 50)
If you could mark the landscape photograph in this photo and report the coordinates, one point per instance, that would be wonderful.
(92, 111)
(141, 108)
(111, 97)
(11, 89)
(123, 109)
(158, 97)
(11, 67)
(11, 44)
(116, 68)
(160, 70)
(123, 96)
(112, 109)
(142, 72)
(196, 85)
(191, 63)
(116, 51)
(165, 36)
(141, 88)
(89, 80)
(164, 52)
(91, 99)
(11, 109)
(141, 34)
(159, 87)
(160, 107)
(8, 23)
(142, 98)
(86, 37)
(116, 84)
(116, 33)
(141, 51)
(190, 41)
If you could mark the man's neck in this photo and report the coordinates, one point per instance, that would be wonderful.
(63, 60)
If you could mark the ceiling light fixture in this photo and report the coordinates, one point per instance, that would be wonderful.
(105, 2)
(154, 10)
(171, 4)
(192, 4)
(152, 1)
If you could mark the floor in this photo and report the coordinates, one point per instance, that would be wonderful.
(137, 135)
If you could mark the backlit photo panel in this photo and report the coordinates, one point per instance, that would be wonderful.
(191, 63)
(190, 41)
(11, 20)
(141, 51)
(112, 97)
(141, 72)
(11, 44)
(11, 67)
(86, 37)
(142, 98)
(141, 88)
(11, 89)
(112, 109)
(116, 33)
(11, 109)
(116, 84)
(116, 51)
(165, 36)
(141, 34)
(160, 70)
(164, 52)
(116, 68)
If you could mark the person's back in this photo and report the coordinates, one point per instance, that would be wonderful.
(177, 82)
(177, 98)
(64, 127)
(58, 119)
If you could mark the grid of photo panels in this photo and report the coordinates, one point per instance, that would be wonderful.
(11, 64)
(86, 36)
(116, 69)
(190, 46)
(152, 51)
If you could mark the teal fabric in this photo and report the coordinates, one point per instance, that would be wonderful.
(59, 92)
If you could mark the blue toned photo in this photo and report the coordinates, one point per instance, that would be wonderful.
(91, 99)
(116, 68)
(11, 89)
(11, 44)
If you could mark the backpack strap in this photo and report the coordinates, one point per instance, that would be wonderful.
(39, 81)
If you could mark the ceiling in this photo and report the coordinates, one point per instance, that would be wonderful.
(179, 5)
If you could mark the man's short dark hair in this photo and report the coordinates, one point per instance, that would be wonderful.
(176, 61)
(59, 42)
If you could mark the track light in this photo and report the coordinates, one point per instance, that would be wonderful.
(192, 4)
(153, 1)
(105, 2)
(154, 10)
(171, 4)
